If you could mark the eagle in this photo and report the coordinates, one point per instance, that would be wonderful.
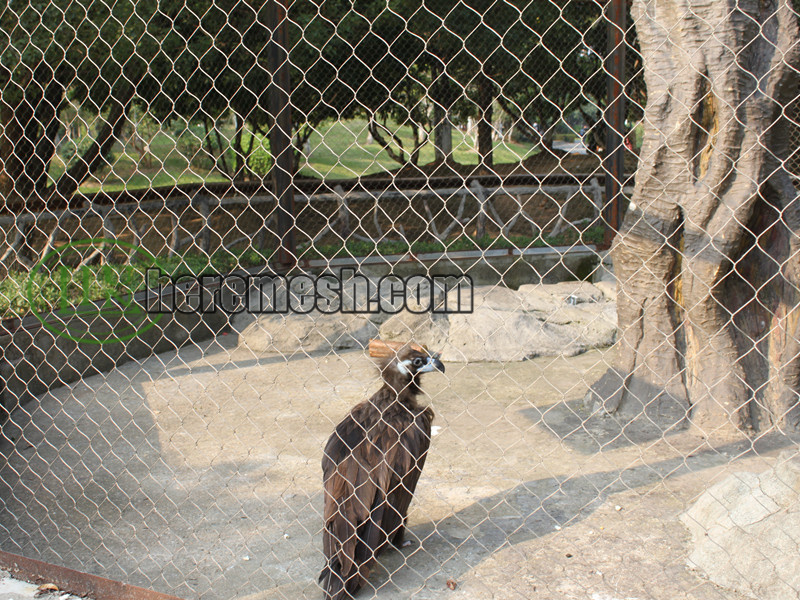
(371, 466)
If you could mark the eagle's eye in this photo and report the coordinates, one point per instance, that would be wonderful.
(417, 362)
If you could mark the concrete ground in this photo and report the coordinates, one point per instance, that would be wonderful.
(197, 473)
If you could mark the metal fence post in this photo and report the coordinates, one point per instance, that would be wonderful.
(614, 116)
(280, 138)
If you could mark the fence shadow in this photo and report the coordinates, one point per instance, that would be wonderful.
(590, 431)
(534, 509)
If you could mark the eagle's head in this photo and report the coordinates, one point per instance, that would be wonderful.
(402, 370)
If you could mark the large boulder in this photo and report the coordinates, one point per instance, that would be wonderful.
(746, 531)
(505, 325)
(426, 328)
(503, 336)
(513, 325)
(313, 332)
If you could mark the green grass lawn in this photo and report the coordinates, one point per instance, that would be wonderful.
(338, 150)
(166, 167)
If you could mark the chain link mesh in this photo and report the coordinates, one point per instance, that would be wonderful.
(596, 403)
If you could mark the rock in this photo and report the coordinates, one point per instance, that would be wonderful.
(547, 297)
(574, 292)
(424, 328)
(538, 298)
(608, 288)
(496, 298)
(503, 336)
(605, 270)
(746, 531)
(314, 332)
(537, 320)
(505, 325)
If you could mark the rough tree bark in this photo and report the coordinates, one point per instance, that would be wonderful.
(707, 259)
(10, 165)
(29, 129)
(96, 155)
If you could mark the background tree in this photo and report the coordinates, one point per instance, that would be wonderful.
(208, 65)
(707, 258)
(554, 68)
(539, 61)
(49, 49)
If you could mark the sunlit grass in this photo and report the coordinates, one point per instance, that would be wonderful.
(339, 150)
(336, 150)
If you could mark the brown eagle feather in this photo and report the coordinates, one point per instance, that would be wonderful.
(371, 466)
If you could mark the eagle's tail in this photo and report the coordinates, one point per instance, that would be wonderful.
(339, 586)
(332, 583)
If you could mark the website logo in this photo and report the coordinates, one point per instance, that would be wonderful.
(93, 304)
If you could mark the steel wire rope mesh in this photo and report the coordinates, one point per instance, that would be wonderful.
(620, 392)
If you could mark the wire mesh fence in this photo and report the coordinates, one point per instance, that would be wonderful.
(209, 209)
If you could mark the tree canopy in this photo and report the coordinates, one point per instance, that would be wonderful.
(51, 49)
(392, 62)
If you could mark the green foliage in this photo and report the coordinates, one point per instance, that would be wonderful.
(70, 148)
(204, 65)
(65, 287)
(190, 146)
(260, 162)
(83, 44)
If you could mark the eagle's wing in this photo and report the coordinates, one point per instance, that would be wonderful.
(406, 468)
(357, 474)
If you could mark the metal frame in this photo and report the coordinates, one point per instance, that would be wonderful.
(75, 582)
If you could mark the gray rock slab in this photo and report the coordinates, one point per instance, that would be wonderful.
(307, 333)
(746, 531)
(505, 325)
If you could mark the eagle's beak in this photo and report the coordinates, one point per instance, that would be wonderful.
(433, 364)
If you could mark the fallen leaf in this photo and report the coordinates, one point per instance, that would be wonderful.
(46, 588)
(451, 583)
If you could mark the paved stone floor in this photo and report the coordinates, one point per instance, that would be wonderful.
(197, 473)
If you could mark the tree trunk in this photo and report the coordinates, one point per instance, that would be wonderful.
(707, 258)
(95, 156)
(485, 104)
(10, 166)
(241, 170)
(48, 127)
(16, 151)
(27, 142)
(399, 155)
(300, 140)
(442, 135)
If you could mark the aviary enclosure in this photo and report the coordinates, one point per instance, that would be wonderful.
(394, 299)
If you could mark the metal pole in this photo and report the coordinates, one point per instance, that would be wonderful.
(280, 137)
(614, 116)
